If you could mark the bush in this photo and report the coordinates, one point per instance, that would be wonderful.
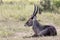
(57, 3)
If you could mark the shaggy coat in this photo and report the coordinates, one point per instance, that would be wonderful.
(41, 30)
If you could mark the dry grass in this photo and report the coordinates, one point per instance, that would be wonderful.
(12, 28)
(19, 32)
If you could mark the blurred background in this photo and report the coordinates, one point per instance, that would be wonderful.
(15, 13)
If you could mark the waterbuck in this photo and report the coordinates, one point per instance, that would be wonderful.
(41, 30)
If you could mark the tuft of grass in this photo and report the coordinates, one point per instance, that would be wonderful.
(5, 33)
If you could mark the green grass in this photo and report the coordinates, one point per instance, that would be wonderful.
(12, 13)
(10, 18)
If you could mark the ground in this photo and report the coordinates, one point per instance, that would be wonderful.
(12, 27)
(25, 32)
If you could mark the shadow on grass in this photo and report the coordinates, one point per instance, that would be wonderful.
(30, 36)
